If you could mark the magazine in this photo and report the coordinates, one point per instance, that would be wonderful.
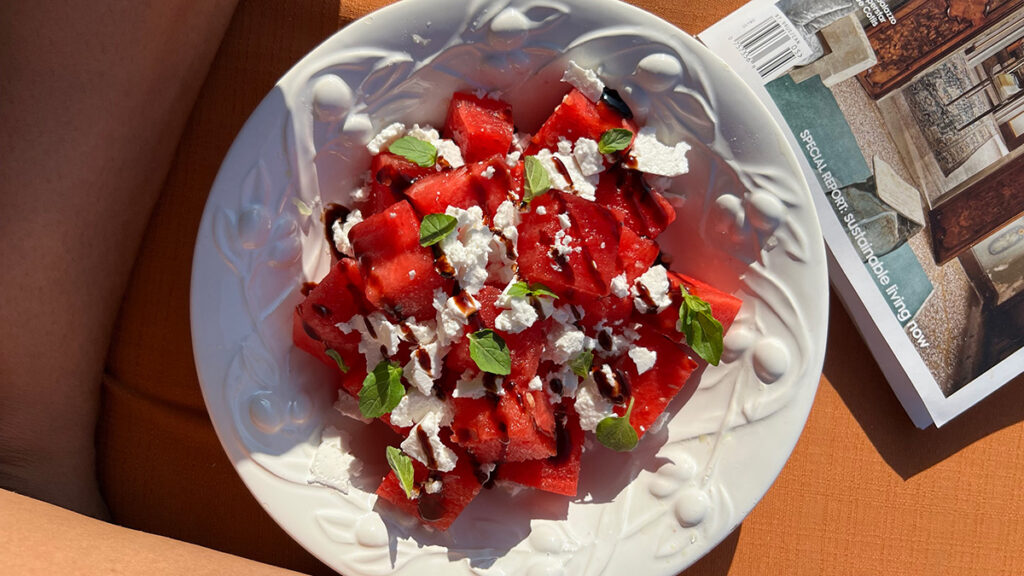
(907, 118)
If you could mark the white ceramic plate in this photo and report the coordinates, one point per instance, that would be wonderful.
(745, 223)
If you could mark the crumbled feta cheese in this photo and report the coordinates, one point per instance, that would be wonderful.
(423, 377)
(415, 407)
(360, 194)
(584, 80)
(385, 138)
(506, 236)
(644, 358)
(535, 384)
(412, 274)
(340, 230)
(432, 486)
(563, 244)
(423, 332)
(541, 210)
(442, 455)
(512, 158)
(591, 405)
(348, 406)
(446, 149)
(468, 248)
(569, 380)
(655, 282)
(520, 317)
(588, 157)
(488, 172)
(621, 340)
(620, 286)
(565, 340)
(450, 318)
(333, 464)
(656, 158)
(506, 218)
(580, 184)
(471, 385)
(376, 332)
(564, 221)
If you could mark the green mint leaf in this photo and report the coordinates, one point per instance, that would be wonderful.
(402, 466)
(490, 352)
(519, 290)
(382, 390)
(337, 359)
(436, 227)
(302, 207)
(614, 140)
(617, 433)
(703, 332)
(581, 364)
(414, 150)
(538, 289)
(537, 181)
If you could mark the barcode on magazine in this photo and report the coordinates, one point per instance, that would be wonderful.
(770, 44)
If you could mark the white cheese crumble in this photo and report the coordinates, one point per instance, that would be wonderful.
(415, 407)
(588, 157)
(348, 406)
(620, 286)
(564, 221)
(541, 210)
(520, 317)
(535, 383)
(584, 80)
(432, 486)
(655, 282)
(468, 249)
(376, 332)
(653, 157)
(591, 405)
(443, 456)
(579, 183)
(644, 358)
(450, 318)
(621, 340)
(563, 244)
(340, 230)
(471, 385)
(385, 138)
(420, 377)
(412, 274)
(333, 464)
(506, 218)
(488, 172)
(512, 158)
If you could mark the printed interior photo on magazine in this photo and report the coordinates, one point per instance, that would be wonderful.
(909, 120)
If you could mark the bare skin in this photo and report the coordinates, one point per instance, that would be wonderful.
(93, 99)
(37, 538)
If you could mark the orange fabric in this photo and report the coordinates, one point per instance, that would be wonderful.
(864, 493)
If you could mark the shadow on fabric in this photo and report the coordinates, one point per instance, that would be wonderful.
(907, 450)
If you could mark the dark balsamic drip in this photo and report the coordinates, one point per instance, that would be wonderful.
(441, 263)
(321, 310)
(562, 170)
(465, 303)
(431, 506)
(428, 449)
(442, 162)
(615, 389)
(492, 384)
(510, 248)
(393, 179)
(558, 257)
(310, 332)
(575, 313)
(307, 287)
(563, 444)
(439, 392)
(556, 386)
(333, 213)
(537, 307)
(423, 359)
(604, 339)
(383, 351)
(369, 328)
(645, 297)
(611, 98)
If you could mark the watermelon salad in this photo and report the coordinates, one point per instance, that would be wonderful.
(497, 296)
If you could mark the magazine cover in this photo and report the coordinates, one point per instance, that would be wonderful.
(909, 118)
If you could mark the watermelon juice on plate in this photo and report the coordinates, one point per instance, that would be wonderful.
(588, 255)
(495, 294)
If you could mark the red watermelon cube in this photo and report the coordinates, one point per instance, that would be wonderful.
(337, 298)
(559, 473)
(390, 176)
(458, 488)
(399, 273)
(655, 388)
(577, 117)
(634, 203)
(482, 127)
